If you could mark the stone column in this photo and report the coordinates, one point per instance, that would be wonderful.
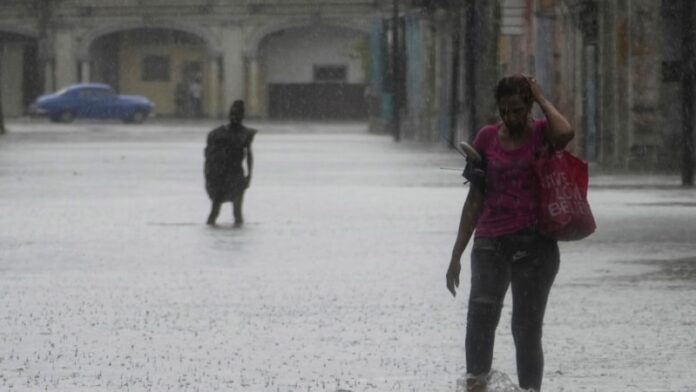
(577, 89)
(85, 71)
(11, 75)
(254, 91)
(645, 83)
(622, 32)
(49, 79)
(482, 35)
(213, 91)
(588, 43)
(233, 66)
(66, 60)
(544, 47)
(607, 80)
(46, 64)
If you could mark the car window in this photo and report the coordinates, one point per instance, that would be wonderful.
(103, 93)
(95, 93)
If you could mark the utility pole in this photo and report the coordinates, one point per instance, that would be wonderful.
(481, 33)
(2, 115)
(396, 73)
(471, 53)
(454, 96)
(687, 78)
(44, 10)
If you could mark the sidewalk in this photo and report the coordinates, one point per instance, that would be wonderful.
(634, 180)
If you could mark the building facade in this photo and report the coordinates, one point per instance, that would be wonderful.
(613, 67)
(447, 52)
(193, 57)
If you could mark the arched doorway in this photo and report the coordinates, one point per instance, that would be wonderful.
(20, 78)
(314, 72)
(169, 66)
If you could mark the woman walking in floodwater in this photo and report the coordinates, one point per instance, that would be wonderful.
(508, 249)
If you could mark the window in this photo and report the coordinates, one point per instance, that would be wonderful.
(86, 93)
(330, 73)
(155, 69)
(103, 93)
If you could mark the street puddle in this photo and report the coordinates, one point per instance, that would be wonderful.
(681, 270)
(174, 224)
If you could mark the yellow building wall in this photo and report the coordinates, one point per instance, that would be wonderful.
(11, 76)
(162, 93)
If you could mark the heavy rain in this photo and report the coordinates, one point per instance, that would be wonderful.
(227, 195)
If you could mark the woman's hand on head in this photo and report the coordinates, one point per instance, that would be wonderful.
(537, 93)
(559, 132)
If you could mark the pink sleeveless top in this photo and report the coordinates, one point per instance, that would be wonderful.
(511, 200)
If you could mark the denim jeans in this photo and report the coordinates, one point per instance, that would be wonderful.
(528, 262)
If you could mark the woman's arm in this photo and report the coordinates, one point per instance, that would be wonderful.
(559, 132)
(249, 154)
(250, 164)
(470, 213)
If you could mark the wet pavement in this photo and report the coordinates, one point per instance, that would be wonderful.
(111, 281)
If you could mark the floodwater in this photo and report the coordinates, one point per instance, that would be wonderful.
(111, 281)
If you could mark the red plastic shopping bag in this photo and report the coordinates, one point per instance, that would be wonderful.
(564, 212)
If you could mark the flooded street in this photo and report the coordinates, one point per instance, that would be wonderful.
(111, 280)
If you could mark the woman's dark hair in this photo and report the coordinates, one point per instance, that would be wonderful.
(514, 84)
(237, 105)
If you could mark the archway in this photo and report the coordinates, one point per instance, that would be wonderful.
(314, 71)
(173, 68)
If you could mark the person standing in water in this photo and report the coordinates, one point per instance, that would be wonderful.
(226, 149)
(508, 250)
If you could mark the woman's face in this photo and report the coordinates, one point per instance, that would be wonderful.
(514, 112)
(236, 115)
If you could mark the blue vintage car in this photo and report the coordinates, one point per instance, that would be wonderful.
(91, 100)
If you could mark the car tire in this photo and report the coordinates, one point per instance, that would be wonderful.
(137, 117)
(66, 116)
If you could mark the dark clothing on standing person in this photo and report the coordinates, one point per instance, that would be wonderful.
(228, 146)
(224, 154)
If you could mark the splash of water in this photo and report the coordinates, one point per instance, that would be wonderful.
(497, 382)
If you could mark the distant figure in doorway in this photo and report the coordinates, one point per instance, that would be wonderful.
(181, 99)
(225, 179)
(196, 93)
